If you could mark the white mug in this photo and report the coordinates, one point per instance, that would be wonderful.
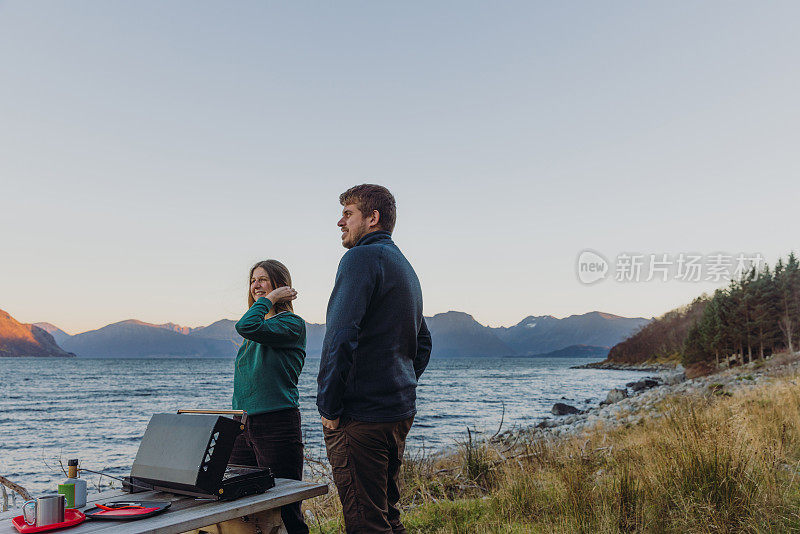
(47, 510)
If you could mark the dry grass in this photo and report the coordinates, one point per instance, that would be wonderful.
(712, 464)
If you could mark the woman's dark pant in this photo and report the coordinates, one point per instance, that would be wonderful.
(274, 440)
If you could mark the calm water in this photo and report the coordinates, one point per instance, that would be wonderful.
(97, 409)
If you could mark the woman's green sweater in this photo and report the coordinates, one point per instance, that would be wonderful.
(269, 361)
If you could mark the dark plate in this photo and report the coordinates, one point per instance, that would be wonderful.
(151, 508)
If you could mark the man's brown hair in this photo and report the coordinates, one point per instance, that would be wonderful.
(370, 197)
(278, 276)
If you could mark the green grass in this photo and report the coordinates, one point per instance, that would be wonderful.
(713, 464)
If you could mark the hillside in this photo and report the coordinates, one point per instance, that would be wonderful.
(136, 339)
(26, 340)
(534, 335)
(315, 335)
(223, 330)
(58, 334)
(458, 334)
(757, 315)
(661, 339)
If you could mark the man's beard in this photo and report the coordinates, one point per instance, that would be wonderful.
(353, 238)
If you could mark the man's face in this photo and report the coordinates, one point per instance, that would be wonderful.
(354, 225)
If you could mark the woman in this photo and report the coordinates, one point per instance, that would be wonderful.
(268, 366)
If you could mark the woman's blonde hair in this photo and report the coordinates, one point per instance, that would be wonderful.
(278, 276)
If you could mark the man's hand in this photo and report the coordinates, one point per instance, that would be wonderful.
(330, 424)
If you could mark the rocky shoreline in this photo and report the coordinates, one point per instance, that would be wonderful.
(638, 400)
(650, 367)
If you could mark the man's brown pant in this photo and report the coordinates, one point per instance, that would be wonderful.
(366, 459)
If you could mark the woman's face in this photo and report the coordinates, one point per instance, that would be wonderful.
(260, 286)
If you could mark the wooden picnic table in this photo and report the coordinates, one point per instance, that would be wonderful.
(248, 515)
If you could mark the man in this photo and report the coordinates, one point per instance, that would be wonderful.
(376, 347)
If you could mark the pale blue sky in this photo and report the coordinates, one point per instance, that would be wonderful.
(150, 152)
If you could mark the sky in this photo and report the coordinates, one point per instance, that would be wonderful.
(151, 152)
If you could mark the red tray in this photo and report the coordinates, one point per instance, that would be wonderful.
(72, 517)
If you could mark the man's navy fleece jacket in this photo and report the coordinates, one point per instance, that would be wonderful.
(377, 343)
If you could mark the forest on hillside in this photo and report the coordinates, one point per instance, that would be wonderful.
(753, 317)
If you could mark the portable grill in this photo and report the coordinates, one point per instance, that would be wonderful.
(188, 453)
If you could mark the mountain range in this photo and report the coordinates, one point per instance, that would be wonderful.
(546, 333)
(17, 339)
(455, 334)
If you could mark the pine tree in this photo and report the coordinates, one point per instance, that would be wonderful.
(703, 339)
(765, 311)
(736, 320)
(693, 345)
(713, 334)
(747, 303)
(724, 310)
(787, 281)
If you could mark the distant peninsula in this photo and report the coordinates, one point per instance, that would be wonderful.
(26, 340)
(575, 351)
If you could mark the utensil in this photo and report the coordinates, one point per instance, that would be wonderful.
(126, 510)
(121, 507)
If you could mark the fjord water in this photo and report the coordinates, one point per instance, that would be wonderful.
(97, 409)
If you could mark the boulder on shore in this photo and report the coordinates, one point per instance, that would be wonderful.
(616, 395)
(546, 423)
(560, 408)
(674, 378)
(640, 385)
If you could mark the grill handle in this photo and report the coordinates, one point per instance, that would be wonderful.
(243, 413)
